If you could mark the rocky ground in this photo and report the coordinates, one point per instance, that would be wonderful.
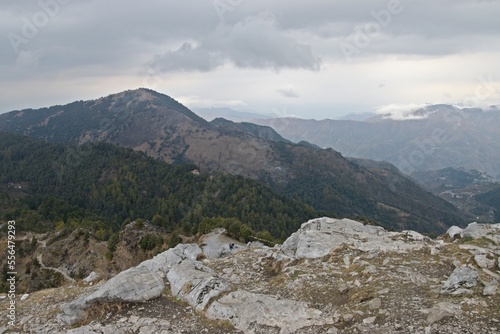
(331, 276)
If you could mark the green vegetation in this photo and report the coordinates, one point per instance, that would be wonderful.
(327, 181)
(150, 241)
(100, 186)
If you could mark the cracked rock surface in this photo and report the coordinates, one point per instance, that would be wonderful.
(331, 276)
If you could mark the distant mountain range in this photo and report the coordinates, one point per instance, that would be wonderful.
(161, 127)
(429, 138)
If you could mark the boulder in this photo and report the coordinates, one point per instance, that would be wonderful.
(136, 284)
(474, 231)
(92, 277)
(442, 311)
(484, 262)
(454, 231)
(245, 310)
(461, 280)
(73, 312)
(132, 285)
(317, 237)
(162, 262)
(490, 288)
(195, 283)
(477, 231)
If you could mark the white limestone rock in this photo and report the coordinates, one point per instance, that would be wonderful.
(245, 310)
(82, 330)
(138, 284)
(164, 261)
(195, 283)
(92, 277)
(454, 231)
(490, 288)
(132, 285)
(484, 262)
(317, 237)
(460, 281)
(477, 231)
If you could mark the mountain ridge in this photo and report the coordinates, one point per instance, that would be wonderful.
(437, 137)
(158, 125)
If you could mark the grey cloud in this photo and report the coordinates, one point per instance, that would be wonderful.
(455, 24)
(254, 43)
(89, 38)
(187, 58)
(258, 42)
(252, 34)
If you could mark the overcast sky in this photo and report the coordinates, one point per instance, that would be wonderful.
(311, 59)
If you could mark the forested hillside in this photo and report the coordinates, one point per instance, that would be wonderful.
(44, 185)
(491, 198)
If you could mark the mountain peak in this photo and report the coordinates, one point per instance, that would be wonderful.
(154, 98)
(412, 112)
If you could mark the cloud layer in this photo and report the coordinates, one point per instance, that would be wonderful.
(339, 51)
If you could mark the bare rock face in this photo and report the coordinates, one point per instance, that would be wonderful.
(476, 231)
(137, 284)
(132, 285)
(246, 310)
(195, 283)
(460, 281)
(317, 237)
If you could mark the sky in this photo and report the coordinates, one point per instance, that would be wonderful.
(310, 59)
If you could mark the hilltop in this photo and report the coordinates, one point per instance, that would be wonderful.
(333, 276)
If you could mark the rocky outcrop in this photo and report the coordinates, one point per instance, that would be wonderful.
(248, 311)
(461, 281)
(195, 283)
(332, 276)
(318, 237)
(476, 231)
(137, 284)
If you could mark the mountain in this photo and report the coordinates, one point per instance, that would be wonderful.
(254, 130)
(429, 138)
(356, 116)
(161, 127)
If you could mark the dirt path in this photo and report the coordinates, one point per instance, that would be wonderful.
(40, 260)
